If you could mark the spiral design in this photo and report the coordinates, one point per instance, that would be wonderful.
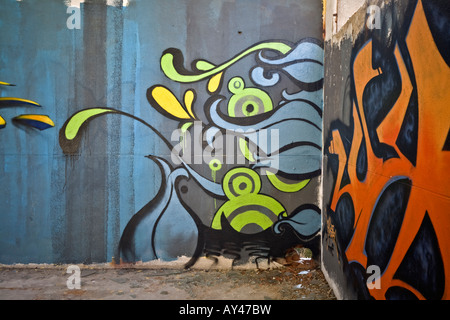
(247, 211)
(247, 102)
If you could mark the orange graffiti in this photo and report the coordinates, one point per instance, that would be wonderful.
(430, 192)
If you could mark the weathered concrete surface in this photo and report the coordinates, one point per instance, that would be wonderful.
(141, 282)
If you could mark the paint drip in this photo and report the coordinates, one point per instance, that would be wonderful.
(215, 165)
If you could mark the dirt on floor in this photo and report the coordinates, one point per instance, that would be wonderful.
(288, 280)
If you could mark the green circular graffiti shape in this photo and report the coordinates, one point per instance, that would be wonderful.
(250, 108)
(251, 176)
(250, 101)
(236, 84)
(249, 216)
(242, 186)
(215, 165)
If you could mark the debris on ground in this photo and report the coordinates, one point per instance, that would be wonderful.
(296, 276)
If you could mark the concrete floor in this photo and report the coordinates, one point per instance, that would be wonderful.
(303, 281)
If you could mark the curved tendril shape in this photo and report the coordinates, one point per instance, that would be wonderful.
(38, 121)
(286, 187)
(172, 62)
(11, 101)
(145, 236)
(69, 136)
(7, 84)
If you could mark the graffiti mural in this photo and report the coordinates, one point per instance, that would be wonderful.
(390, 199)
(244, 152)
